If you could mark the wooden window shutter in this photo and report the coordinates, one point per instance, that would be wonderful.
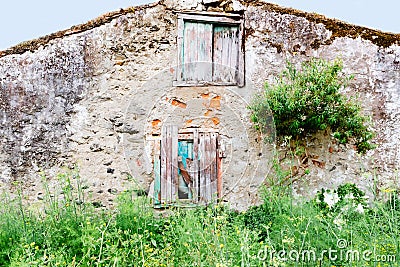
(197, 49)
(226, 54)
(210, 50)
(204, 173)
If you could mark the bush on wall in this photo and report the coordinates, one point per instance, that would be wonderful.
(308, 100)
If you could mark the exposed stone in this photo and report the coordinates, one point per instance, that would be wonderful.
(97, 204)
(237, 6)
(112, 191)
(40, 196)
(206, 2)
(182, 5)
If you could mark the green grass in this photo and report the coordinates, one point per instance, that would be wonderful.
(68, 233)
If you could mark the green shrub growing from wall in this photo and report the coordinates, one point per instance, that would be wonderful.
(308, 100)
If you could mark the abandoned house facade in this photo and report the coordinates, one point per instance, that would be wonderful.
(155, 97)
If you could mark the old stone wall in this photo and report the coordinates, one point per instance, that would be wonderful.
(64, 103)
(277, 37)
(92, 96)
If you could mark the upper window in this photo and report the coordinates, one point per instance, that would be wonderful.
(210, 49)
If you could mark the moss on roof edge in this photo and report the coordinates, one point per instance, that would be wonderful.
(34, 44)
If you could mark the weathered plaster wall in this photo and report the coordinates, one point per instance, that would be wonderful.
(81, 97)
(69, 98)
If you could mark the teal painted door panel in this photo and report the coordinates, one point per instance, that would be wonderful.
(185, 151)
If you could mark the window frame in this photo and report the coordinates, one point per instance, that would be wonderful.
(229, 19)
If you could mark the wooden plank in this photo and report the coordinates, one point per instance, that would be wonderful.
(195, 163)
(202, 168)
(164, 157)
(226, 52)
(217, 54)
(186, 136)
(204, 52)
(211, 17)
(241, 75)
(213, 165)
(197, 51)
(201, 83)
(226, 57)
(190, 149)
(181, 50)
(234, 53)
(157, 174)
(174, 163)
(219, 177)
(208, 163)
(189, 51)
(168, 147)
(186, 131)
(219, 168)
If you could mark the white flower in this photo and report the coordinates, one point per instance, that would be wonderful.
(331, 198)
(339, 222)
(349, 196)
(346, 208)
(360, 208)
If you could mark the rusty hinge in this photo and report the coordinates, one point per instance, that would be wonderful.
(221, 153)
(221, 148)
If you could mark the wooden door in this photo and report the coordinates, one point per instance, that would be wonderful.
(188, 161)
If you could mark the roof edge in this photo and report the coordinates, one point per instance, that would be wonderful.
(33, 45)
(337, 27)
